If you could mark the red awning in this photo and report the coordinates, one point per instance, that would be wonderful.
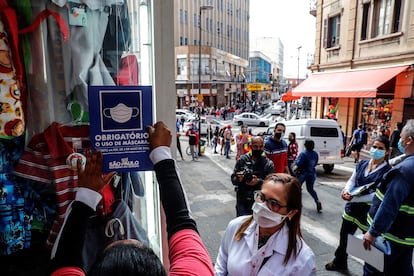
(347, 84)
(289, 97)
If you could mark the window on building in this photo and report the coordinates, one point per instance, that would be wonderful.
(186, 41)
(365, 16)
(386, 17)
(186, 17)
(331, 31)
(181, 40)
(182, 66)
(181, 16)
(195, 20)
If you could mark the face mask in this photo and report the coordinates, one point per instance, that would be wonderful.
(257, 153)
(400, 146)
(377, 153)
(264, 217)
(279, 135)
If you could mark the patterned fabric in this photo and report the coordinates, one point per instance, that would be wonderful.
(293, 151)
(44, 164)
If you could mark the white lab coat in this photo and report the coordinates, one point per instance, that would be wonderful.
(243, 258)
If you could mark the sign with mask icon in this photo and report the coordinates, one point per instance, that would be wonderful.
(118, 119)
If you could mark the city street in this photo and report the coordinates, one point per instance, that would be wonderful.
(212, 200)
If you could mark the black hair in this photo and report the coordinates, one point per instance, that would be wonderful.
(127, 260)
(383, 139)
(309, 144)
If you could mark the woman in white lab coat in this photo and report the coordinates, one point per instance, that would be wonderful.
(270, 241)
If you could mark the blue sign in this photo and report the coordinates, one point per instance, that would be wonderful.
(118, 117)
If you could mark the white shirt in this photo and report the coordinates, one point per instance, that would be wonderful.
(243, 258)
(350, 184)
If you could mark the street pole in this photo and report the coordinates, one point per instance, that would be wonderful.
(297, 80)
(202, 8)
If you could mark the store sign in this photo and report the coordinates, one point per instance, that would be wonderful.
(254, 87)
(118, 120)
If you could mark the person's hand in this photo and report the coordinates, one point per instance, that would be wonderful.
(240, 176)
(346, 195)
(159, 135)
(91, 177)
(254, 181)
(368, 240)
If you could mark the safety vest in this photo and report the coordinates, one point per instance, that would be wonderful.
(402, 229)
(356, 212)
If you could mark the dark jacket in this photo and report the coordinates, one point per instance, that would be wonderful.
(261, 168)
(392, 210)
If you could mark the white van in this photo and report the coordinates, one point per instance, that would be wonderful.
(324, 132)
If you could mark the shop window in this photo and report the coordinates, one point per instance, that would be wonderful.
(376, 115)
(182, 66)
(115, 50)
(331, 31)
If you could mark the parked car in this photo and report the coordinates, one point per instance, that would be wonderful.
(324, 132)
(205, 124)
(184, 113)
(251, 119)
(278, 108)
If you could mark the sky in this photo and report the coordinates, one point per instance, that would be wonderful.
(291, 22)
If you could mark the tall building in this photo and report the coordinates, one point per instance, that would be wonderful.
(363, 63)
(217, 34)
(258, 78)
(274, 49)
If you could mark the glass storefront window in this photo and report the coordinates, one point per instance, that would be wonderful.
(110, 46)
(376, 115)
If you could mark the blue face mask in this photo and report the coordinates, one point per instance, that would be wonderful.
(377, 153)
(400, 146)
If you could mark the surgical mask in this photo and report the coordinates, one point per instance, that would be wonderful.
(264, 217)
(257, 153)
(279, 135)
(400, 146)
(121, 113)
(377, 153)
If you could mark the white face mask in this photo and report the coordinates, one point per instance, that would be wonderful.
(264, 217)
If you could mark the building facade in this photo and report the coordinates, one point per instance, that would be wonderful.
(363, 63)
(211, 50)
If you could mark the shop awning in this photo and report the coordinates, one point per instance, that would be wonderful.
(289, 97)
(347, 84)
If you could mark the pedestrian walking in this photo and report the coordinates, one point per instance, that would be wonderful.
(306, 163)
(193, 140)
(365, 178)
(228, 136)
(292, 151)
(216, 138)
(276, 149)
(243, 142)
(177, 126)
(358, 140)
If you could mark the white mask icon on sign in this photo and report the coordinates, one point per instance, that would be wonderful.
(121, 113)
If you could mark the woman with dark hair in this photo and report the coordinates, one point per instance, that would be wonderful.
(292, 150)
(269, 242)
(306, 163)
(364, 179)
(186, 251)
